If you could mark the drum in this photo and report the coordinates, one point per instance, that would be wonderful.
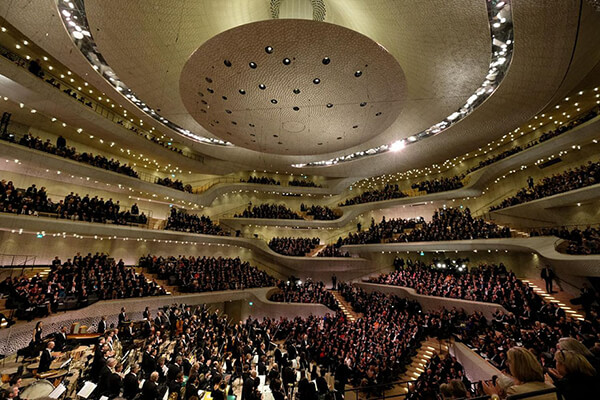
(37, 390)
(34, 366)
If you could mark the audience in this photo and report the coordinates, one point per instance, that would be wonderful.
(262, 180)
(295, 247)
(439, 184)
(32, 201)
(269, 211)
(387, 193)
(320, 213)
(385, 231)
(579, 242)
(295, 291)
(302, 183)
(207, 274)
(571, 179)
(78, 282)
(174, 184)
(446, 224)
(180, 220)
(543, 137)
(62, 150)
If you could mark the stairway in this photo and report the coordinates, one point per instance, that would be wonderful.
(171, 290)
(561, 298)
(316, 250)
(346, 308)
(419, 362)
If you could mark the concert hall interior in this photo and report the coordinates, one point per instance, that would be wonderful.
(299, 199)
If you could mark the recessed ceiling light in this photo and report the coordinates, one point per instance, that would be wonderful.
(326, 60)
(286, 61)
(242, 91)
(269, 49)
(316, 81)
(227, 63)
(358, 73)
(224, 97)
(209, 90)
(364, 103)
(274, 101)
(252, 65)
(262, 86)
(208, 79)
(296, 108)
(296, 91)
(329, 105)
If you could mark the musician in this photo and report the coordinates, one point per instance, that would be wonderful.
(248, 386)
(174, 369)
(150, 388)
(146, 314)
(175, 387)
(102, 325)
(60, 338)
(46, 358)
(106, 376)
(122, 316)
(115, 381)
(37, 333)
(149, 360)
(131, 383)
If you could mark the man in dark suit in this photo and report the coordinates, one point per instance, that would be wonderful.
(46, 358)
(150, 388)
(105, 376)
(174, 369)
(61, 339)
(248, 386)
(102, 325)
(115, 382)
(131, 383)
(548, 276)
(122, 316)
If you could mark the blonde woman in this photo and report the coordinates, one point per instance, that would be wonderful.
(574, 376)
(527, 374)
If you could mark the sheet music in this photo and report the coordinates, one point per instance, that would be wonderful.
(142, 383)
(60, 389)
(263, 379)
(255, 359)
(166, 396)
(87, 389)
(104, 398)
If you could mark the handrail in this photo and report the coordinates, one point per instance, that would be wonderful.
(528, 395)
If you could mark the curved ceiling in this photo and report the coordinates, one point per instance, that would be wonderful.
(292, 87)
(443, 48)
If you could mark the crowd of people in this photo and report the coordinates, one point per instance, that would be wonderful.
(571, 179)
(303, 183)
(446, 224)
(319, 213)
(62, 150)
(207, 274)
(180, 220)
(174, 184)
(491, 283)
(439, 184)
(268, 211)
(332, 250)
(32, 201)
(79, 281)
(585, 241)
(543, 137)
(384, 231)
(296, 291)
(389, 192)
(294, 247)
(262, 180)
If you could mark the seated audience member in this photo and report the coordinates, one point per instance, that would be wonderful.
(332, 250)
(574, 376)
(262, 180)
(319, 213)
(585, 241)
(527, 374)
(439, 184)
